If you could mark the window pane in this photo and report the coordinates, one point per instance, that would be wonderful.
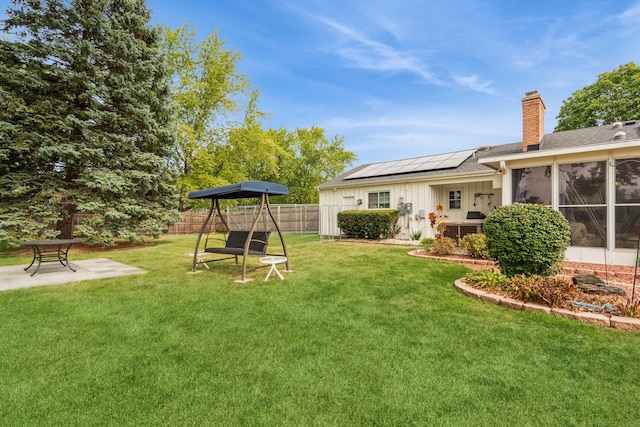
(373, 200)
(583, 183)
(381, 200)
(628, 181)
(455, 199)
(532, 185)
(588, 225)
(627, 226)
(384, 200)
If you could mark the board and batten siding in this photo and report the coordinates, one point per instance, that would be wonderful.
(424, 196)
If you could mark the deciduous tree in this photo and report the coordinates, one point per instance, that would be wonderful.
(310, 159)
(615, 96)
(217, 122)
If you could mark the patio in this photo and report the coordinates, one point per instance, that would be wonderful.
(14, 277)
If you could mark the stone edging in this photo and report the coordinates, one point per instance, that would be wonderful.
(620, 278)
(628, 323)
(478, 261)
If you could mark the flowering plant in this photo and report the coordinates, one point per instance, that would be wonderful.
(437, 220)
(432, 218)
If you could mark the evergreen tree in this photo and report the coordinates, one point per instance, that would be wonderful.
(86, 128)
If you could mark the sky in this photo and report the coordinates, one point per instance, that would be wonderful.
(409, 78)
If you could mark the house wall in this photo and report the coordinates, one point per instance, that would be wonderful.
(600, 255)
(423, 195)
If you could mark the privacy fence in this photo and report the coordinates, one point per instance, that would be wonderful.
(291, 218)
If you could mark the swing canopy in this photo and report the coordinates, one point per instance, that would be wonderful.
(240, 243)
(241, 190)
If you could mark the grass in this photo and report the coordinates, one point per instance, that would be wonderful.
(356, 335)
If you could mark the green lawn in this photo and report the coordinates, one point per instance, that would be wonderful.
(357, 335)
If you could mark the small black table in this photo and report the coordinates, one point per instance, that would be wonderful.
(50, 250)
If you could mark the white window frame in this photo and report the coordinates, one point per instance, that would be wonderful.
(377, 202)
(458, 200)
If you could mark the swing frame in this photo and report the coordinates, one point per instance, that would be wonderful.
(241, 190)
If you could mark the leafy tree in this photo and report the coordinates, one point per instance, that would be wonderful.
(221, 138)
(86, 130)
(309, 160)
(217, 121)
(615, 96)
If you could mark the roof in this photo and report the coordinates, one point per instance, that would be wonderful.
(241, 190)
(481, 159)
(590, 136)
(468, 166)
(416, 164)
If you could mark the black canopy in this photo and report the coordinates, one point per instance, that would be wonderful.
(241, 190)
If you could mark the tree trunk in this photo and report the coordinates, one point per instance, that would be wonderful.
(65, 226)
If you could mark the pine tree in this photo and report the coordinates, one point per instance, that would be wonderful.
(87, 124)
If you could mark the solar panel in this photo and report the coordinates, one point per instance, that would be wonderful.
(417, 164)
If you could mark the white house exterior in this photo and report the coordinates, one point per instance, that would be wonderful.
(591, 175)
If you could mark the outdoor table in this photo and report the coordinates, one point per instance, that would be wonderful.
(273, 260)
(201, 260)
(50, 250)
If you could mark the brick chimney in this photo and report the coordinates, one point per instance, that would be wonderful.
(532, 120)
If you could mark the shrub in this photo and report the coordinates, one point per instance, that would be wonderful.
(443, 246)
(488, 280)
(551, 291)
(416, 235)
(427, 242)
(527, 239)
(373, 225)
(475, 244)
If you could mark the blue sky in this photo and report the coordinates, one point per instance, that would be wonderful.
(409, 78)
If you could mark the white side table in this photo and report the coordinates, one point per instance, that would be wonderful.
(200, 259)
(273, 260)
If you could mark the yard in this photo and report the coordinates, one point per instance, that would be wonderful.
(356, 335)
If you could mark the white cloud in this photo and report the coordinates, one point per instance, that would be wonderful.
(370, 54)
(474, 83)
(631, 15)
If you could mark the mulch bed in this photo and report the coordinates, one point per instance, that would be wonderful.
(620, 274)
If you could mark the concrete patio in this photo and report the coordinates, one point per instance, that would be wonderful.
(14, 277)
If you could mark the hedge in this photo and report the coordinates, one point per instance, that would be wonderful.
(374, 224)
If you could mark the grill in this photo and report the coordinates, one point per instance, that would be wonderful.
(475, 215)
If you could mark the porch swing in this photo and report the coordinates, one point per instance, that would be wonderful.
(238, 242)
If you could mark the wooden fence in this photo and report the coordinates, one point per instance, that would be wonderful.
(291, 218)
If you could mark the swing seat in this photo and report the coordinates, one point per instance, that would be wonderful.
(236, 241)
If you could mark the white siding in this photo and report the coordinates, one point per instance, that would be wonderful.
(423, 195)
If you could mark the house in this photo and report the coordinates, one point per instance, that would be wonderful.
(591, 175)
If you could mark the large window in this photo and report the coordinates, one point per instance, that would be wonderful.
(583, 201)
(380, 200)
(532, 185)
(627, 202)
(455, 199)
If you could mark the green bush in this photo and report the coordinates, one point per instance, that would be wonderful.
(475, 244)
(374, 225)
(443, 246)
(488, 280)
(527, 239)
(427, 242)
